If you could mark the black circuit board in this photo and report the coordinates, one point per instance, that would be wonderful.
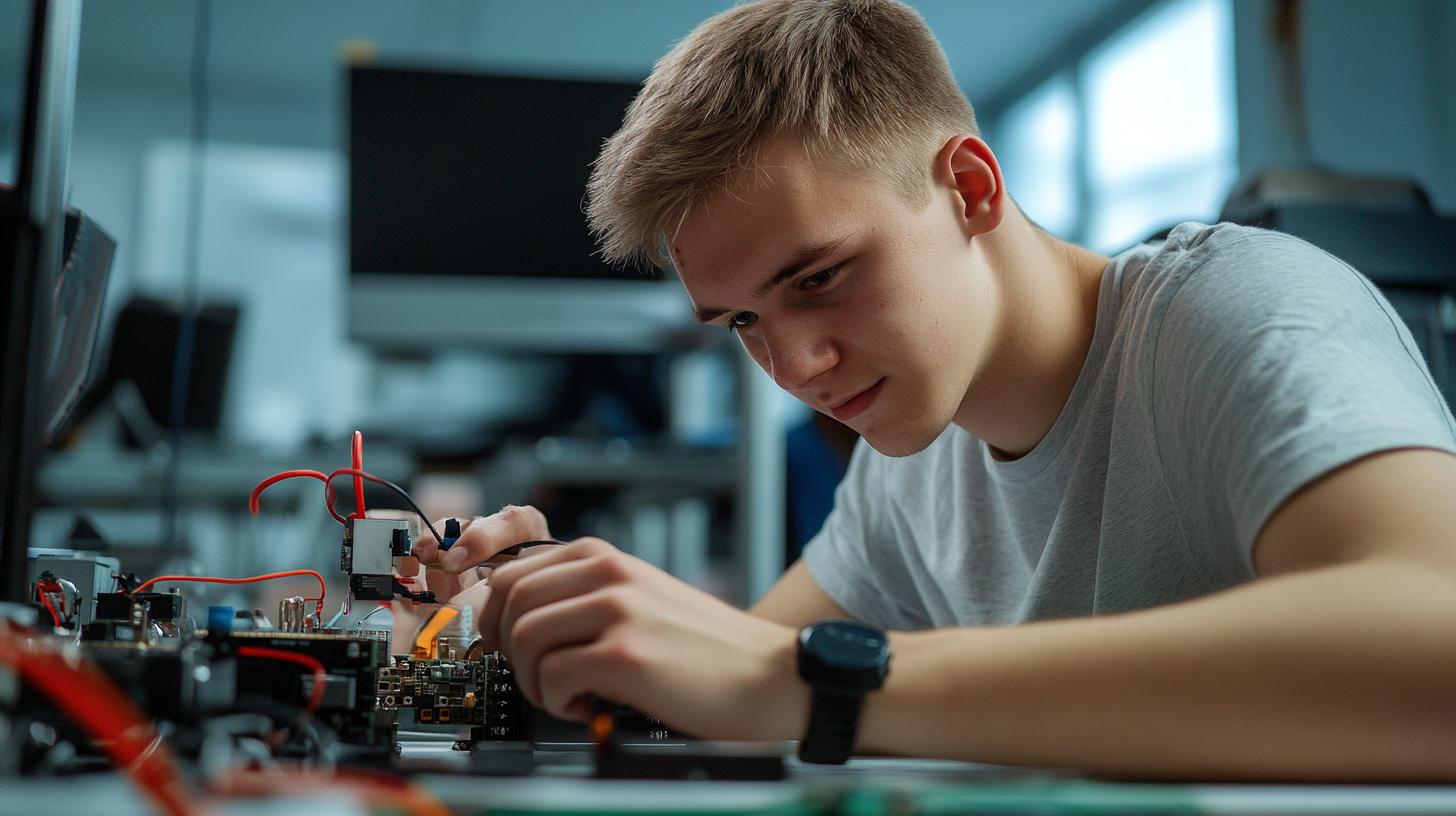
(444, 692)
(480, 694)
(352, 661)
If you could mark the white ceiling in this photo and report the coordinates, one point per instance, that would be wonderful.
(291, 46)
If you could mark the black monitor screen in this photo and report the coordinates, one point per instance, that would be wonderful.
(473, 174)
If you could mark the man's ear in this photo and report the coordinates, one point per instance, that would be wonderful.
(968, 167)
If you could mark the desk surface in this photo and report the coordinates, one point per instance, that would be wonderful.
(865, 787)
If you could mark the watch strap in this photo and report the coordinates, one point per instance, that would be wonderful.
(833, 724)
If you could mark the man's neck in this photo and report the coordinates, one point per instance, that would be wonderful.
(1048, 315)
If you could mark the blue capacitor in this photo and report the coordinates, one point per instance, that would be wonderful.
(219, 619)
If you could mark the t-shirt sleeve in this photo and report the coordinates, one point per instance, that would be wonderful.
(853, 558)
(1274, 364)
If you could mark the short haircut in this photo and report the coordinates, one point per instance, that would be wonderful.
(862, 83)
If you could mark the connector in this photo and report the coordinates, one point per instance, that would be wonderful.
(452, 533)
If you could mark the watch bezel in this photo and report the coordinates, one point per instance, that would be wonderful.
(826, 666)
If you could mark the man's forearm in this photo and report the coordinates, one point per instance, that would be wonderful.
(1344, 673)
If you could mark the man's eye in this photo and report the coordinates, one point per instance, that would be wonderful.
(818, 279)
(741, 320)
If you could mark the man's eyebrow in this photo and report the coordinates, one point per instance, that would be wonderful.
(803, 259)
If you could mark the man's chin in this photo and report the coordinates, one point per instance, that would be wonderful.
(899, 441)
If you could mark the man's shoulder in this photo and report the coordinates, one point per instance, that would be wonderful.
(1196, 248)
(1220, 271)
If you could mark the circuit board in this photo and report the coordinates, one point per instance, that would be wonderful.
(480, 694)
(447, 692)
(352, 662)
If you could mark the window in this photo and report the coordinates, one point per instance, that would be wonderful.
(1041, 172)
(1159, 143)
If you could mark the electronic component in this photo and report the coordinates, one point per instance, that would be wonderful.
(350, 666)
(180, 682)
(372, 547)
(91, 574)
(122, 618)
(370, 553)
(166, 610)
(292, 612)
(59, 598)
(478, 695)
(299, 690)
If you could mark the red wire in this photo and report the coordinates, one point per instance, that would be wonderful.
(360, 511)
(88, 697)
(294, 474)
(364, 474)
(54, 588)
(46, 602)
(318, 608)
(320, 677)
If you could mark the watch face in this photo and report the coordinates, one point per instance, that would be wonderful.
(844, 651)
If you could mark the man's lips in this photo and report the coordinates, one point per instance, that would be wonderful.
(855, 405)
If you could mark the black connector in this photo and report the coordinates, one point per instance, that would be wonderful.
(452, 533)
(418, 597)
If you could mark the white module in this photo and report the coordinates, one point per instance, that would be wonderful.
(373, 546)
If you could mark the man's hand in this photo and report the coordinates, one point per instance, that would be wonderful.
(452, 571)
(588, 620)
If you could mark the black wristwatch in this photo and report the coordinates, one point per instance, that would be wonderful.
(841, 661)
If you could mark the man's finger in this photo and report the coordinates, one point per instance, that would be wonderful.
(570, 678)
(549, 586)
(426, 548)
(505, 577)
(572, 622)
(484, 537)
(566, 682)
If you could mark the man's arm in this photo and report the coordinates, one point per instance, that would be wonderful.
(797, 600)
(1338, 664)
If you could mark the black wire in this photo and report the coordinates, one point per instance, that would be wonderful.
(191, 272)
(402, 493)
(325, 741)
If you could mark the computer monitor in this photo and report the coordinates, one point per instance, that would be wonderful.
(465, 216)
(76, 298)
(32, 231)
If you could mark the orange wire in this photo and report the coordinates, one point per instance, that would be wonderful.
(204, 579)
(360, 511)
(90, 699)
(320, 677)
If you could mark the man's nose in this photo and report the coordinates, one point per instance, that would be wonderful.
(797, 354)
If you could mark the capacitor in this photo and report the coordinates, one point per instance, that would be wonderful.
(291, 613)
(219, 619)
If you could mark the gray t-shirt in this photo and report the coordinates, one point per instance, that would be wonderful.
(1229, 367)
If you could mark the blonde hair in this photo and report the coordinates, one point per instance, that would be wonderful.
(860, 81)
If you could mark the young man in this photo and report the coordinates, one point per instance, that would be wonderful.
(1186, 512)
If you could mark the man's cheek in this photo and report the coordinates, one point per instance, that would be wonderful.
(755, 349)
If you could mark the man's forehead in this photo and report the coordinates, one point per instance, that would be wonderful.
(749, 223)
